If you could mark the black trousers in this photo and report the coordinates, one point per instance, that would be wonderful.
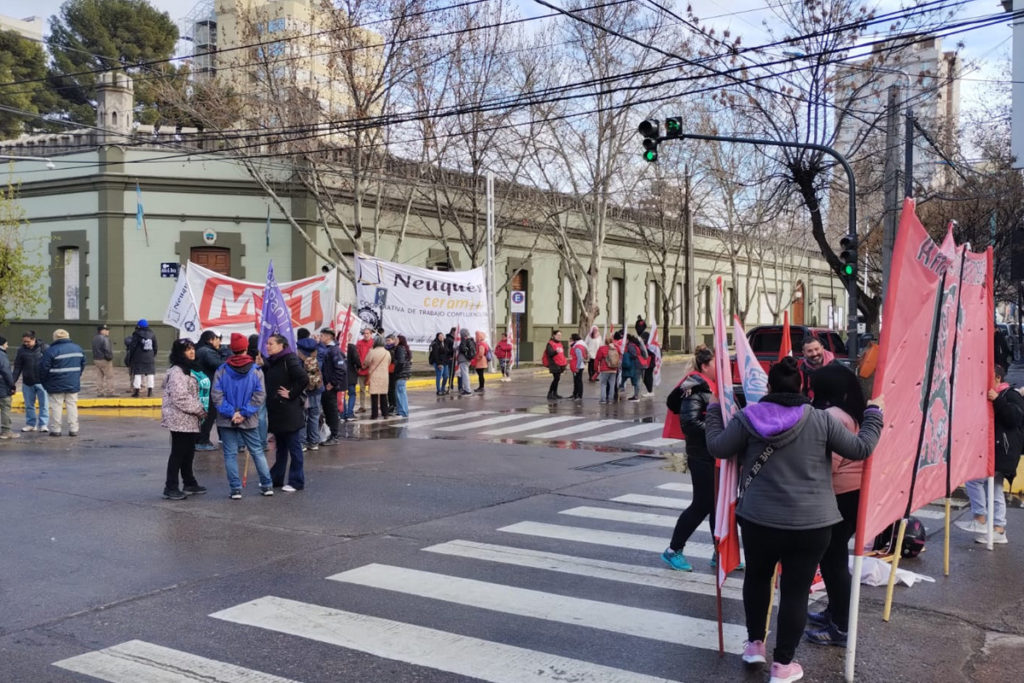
(648, 373)
(183, 452)
(577, 384)
(553, 389)
(799, 551)
(835, 563)
(702, 474)
(480, 377)
(378, 402)
(329, 402)
(207, 427)
(591, 375)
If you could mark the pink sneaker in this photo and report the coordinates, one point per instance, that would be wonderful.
(786, 673)
(753, 652)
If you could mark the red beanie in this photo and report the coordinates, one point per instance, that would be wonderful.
(239, 343)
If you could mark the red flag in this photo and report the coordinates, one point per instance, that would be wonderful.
(786, 347)
(935, 364)
(726, 536)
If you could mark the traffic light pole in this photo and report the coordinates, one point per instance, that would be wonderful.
(851, 282)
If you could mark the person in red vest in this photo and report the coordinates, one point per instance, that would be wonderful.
(503, 352)
(363, 347)
(577, 362)
(554, 359)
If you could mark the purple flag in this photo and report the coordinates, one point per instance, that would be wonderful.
(275, 316)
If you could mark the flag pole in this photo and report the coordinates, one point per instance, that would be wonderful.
(851, 640)
(897, 552)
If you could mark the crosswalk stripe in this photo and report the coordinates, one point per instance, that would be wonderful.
(634, 621)
(543, 422)
(615, 515)
(652, 501)
(622, 433)
(420, 646)
(654, 544)
(484, 423)
(137, 660)
(660, 442)
(677, 486)
(655, 576)
(585, 427)
(418, 419)
(413, 412)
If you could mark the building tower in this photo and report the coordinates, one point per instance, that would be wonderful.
(115, 103)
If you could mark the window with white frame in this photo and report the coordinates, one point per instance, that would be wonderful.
(615, 303)
(567, 301)
(677, 310)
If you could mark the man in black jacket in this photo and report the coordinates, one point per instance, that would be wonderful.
(26, 366)
(141, 358)
(208, 358)
(335, 379)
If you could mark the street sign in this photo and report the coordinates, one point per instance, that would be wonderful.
(169, 269)
(518, 302)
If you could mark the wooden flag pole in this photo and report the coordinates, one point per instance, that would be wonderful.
(895, 564)
(771, 602)
(945, 543)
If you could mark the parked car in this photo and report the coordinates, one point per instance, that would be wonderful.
(765, 341)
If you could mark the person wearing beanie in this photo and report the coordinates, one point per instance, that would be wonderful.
(141, 358)
(311, 362)
(6, 391)
(238, 394)
(26, 367)
(60, 370)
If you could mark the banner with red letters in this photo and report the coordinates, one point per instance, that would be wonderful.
(934, 372)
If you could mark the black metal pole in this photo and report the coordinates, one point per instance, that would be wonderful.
(852, 342)
(908, 155)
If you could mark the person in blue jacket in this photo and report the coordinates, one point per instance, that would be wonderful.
(60, 370)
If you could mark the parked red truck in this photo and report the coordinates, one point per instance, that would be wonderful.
(765, 341)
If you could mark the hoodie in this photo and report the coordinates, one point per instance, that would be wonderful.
(793, 490)
(238, 386)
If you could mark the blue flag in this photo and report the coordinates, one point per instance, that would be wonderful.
(275, 316)
(139, 217)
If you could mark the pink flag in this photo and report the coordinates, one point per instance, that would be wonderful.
(726, 534)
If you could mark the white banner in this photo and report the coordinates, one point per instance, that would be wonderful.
(418, 302)
(181, 310)
(228, 305)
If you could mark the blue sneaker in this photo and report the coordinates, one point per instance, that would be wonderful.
(819, 619)
(828, 635)
(676, 560)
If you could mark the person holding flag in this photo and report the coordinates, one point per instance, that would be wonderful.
(698, 390)
(785, 503)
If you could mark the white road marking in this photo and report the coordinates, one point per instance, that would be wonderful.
(621, 434)
(485, 423)
(628, 516)
(136, 660)
(660, 442)
(653, 501)
(440, 650)
(587, 426)
(677, 486)
(657, 576)
(542, 422)
(654, 544)
(432, 420)
(643, 623)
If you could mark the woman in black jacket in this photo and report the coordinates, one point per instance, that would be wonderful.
(208, 359)
(403, 370)
(439, 360)
(286, 381)
(698, 390)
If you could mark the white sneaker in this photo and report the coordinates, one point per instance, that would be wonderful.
(287, 488)
(998, 538)
(28, 428)
(44, 428)
(973, 526)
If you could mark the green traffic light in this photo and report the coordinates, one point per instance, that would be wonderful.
(673, 126)
(651, 155)
(848, 269)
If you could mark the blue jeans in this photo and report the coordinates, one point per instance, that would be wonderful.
(312, 431)
(977, 493)
(288, 444)
(264, 425)
(441, 376)
(350, 402)
(401, 398)
(233, 437)
(607, 386)
(32, 393)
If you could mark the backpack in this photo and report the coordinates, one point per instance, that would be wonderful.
(316, 378)
(468, 348)
(613, 358)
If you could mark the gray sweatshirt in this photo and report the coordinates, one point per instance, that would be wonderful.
(793, 490)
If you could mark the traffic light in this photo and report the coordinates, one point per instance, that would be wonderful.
(849, 255)
(674, 127)
(650, 130)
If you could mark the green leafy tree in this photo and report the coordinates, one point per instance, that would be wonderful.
(23, 65)
(19, 276)
(89, 36)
